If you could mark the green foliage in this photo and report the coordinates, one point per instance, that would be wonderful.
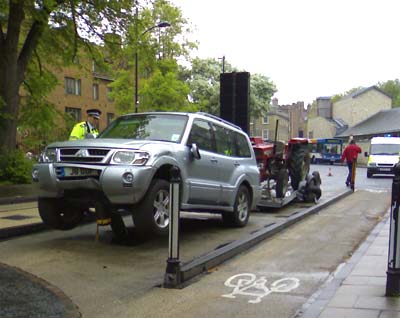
(39, 122)
(157, 50)
(14, 167)
(163, 91)
(203, 80)
(204, 83)
(392, 88)
(123, 91)
(56, 33)
(261, 91)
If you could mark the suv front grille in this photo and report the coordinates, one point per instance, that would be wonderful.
(89, 155)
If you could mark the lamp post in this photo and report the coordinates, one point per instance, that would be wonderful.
(159, 25)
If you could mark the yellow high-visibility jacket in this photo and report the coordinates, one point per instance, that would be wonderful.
(82, 130)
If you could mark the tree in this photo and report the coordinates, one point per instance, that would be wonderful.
(28, 28)
(392, 88)
(261, 91)
(163, 91)
(158, 50)
(204, 83)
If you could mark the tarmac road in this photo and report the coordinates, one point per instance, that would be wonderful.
(105, 279)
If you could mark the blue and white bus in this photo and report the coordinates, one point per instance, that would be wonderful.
(326, 150)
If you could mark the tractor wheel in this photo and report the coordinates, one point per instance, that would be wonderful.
(282, 182)
(299, 164)
(56, 214)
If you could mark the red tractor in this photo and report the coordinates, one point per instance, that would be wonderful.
(284, 172)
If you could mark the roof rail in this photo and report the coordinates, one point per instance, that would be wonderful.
(219, 119)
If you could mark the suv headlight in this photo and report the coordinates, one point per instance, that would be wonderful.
(48, 156)
(127, 157)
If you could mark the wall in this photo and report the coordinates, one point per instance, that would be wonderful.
(321, 128)
(354, 110)
(84, 101)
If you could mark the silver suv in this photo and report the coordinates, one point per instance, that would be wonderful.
(128, 168)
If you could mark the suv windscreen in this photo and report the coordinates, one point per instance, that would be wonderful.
(161, 127)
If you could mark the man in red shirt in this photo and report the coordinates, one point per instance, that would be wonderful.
(350, 153)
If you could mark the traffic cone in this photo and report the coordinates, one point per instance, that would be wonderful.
(330, 173)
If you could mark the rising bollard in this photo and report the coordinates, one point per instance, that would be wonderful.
(172, 273)
(393, 272)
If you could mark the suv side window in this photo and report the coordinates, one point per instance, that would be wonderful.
(242, 145)
(225, 141)
(201, 135)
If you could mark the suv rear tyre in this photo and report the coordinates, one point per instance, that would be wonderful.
(151, 215)
(57, 215)
(241, 210)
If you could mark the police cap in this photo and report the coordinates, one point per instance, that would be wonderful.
(95, 113)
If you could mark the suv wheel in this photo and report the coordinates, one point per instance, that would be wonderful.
(151, 215)
(57, 215)
(241, 210)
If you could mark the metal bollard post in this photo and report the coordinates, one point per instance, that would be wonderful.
(172, 273)
(353, 175)
(393, 272)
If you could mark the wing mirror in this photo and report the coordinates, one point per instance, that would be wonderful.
(195, 151)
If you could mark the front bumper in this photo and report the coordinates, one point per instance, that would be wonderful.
(109, 181)
(380, 170)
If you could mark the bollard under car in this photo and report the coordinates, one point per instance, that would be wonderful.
(172, 273)
(393, 272)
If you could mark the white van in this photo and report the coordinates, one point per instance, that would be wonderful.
(383, 155)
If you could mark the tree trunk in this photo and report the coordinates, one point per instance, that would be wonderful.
(13, 64)
(9, 94)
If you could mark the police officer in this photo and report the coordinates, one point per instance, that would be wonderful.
(88, 128)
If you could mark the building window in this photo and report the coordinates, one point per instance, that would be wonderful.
(72, 86)
(265, 120)
(301, 133)
(310, 134)
(95, 91)
(110, 118)
(109, 91)
(74, 112)
(265, 134)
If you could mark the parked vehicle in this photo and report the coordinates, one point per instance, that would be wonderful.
(127, 168)
(326, 150)
(284, 171)
(383, 155)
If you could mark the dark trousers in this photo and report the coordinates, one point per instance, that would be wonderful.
(350, 167)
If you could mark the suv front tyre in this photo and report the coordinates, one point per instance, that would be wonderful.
(151, 215)
(241, 210)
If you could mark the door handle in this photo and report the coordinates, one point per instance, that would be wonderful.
(236, 164)
(213, 160)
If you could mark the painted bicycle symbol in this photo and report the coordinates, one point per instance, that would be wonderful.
(247, 284)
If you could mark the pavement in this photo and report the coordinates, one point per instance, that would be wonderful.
(356, 289)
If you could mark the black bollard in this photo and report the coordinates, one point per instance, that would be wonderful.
(393, 272)
(172, 273)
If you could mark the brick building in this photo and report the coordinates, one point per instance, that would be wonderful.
(82, 88)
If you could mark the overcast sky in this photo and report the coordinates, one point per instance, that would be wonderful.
(308, 48)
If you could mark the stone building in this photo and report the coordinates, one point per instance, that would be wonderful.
(333, 118)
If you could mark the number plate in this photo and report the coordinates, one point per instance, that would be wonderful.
(384, 169)
(77, 172)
